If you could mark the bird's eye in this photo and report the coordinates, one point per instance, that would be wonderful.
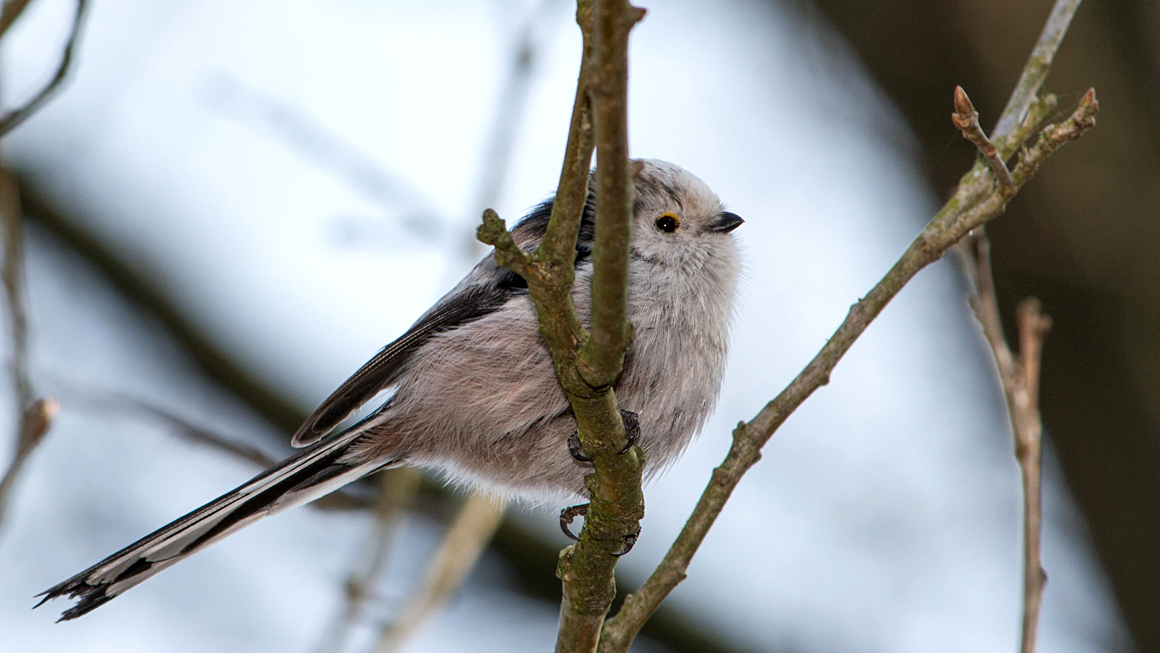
(668, 223)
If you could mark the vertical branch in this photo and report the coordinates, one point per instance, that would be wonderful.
(33, 417)
(617, 502)
(588, 364)
(1019, 378)
(603, 354)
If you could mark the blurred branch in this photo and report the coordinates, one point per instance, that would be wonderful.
(104, 400)
(397, 488)
(12, 119)
(464, 543)
(508, 114)
(34, 423)
(33, 418)
(310, 140)
(977, 200)
(1020, 381)
(1037, 66)
(9, 13)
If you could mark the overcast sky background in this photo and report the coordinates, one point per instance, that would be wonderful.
(302, 180)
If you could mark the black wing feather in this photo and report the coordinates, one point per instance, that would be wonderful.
(378, 373)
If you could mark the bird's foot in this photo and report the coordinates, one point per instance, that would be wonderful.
(570, 513)
(631, 434)
(629, 542)
(577, 449)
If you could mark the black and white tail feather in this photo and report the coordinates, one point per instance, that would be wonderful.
(306, 476)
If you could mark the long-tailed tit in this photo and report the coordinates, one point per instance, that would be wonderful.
(475, 394)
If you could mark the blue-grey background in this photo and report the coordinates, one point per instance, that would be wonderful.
(294, 182)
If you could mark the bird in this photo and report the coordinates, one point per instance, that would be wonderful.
(472, 390)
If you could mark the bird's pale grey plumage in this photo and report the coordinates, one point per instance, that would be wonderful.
(475, 391)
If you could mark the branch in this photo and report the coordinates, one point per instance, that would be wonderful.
(976, 201)
(588, 364)
(397, 489)
(82, 397)
(461, 548)
(1037, 67)
(34, 423)
(33, 417)
(9, 13)
(1020, 382)
(967, 120)
(12, 119)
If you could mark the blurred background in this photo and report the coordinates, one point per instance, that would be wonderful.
(231, 205)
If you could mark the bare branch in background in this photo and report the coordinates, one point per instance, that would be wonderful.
(509, 111)
(464, 543)
(12, 119)
(102, 400)
(397, 488)
(977, 200)
(311, 140)
(34, 423)
(33, 418)
(1020, 381)
(9, 13)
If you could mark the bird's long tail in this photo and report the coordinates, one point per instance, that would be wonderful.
(303, 477)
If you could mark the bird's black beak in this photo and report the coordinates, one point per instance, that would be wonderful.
(726, 222)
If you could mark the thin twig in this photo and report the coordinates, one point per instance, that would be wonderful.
(461, 548)
(1033, 328)
(81, 397)
(967, 120)
(397, 488)
(34, 423)
(308, 138)
(12, 119)
(976, 201)
(1020, 381)
(33, 418)
(1037, 67)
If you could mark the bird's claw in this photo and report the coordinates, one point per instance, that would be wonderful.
(631, 432)
(629, 542)
(577, 449)
(570, 513)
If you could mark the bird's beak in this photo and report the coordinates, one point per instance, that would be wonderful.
(726, 222)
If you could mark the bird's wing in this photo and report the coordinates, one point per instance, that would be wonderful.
(486, 290)
(457, 308)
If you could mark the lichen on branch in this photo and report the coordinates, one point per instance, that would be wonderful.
(589, 362)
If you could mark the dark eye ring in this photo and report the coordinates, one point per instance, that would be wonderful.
(668, 223)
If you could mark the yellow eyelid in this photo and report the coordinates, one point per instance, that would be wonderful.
(670, 215)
